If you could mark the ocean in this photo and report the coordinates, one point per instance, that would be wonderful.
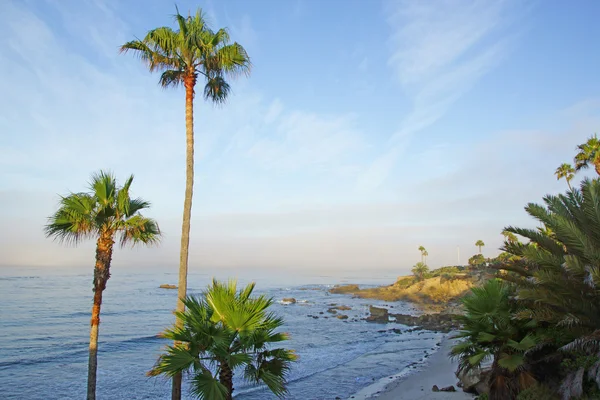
(44, 333)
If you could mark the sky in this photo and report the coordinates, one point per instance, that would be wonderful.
(366, 128)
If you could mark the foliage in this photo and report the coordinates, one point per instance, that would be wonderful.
(558, 272)
(538, 392)
(476, 260)
(490, 333)
(420, 270)
(509, 236)
(106, 209)
(565, 171)
(191, 50)
(588, 153)
(479, 244)
(225, 331)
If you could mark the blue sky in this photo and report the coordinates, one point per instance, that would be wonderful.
(366, 128)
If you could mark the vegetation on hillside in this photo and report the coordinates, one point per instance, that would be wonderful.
(538, 322)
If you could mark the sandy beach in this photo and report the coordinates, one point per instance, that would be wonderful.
(417, 386)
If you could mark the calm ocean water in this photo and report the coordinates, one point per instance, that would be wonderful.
(44, 331)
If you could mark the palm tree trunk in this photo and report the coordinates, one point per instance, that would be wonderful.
(226, 378)
(189, 83)
(422, 258)
(101, 275)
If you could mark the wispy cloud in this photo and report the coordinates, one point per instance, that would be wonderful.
(439, 50)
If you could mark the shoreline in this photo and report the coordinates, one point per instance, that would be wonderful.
(412, 384)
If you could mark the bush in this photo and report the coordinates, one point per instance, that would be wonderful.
(538, 392)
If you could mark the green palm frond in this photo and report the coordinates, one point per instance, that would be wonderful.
(206, 387)
(230, 329)
(192, 50)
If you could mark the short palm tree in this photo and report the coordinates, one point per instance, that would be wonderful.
(565, 171)
(557, 273)
(420, 270)
(225, 331)
(589, 153)
(490, 333)
(422, 250)
(105, 213)
(193, 50)
(479, 244)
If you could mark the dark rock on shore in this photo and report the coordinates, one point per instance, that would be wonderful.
(342, 316)
(290, 300)
(165, 286)
(432, 322)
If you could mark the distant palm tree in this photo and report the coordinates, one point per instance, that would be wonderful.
(589, 153)
(223, 331)
(565, 171)
(479, 244)
(105, 213)
(509, 236)
(422, 250)
(420, 270)
(182, 55)
(425, 254)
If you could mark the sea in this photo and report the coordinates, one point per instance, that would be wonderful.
(44, 333)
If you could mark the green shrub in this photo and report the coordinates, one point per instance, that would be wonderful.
(538, 392)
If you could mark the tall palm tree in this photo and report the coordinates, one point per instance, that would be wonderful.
(182, 55)
(565, 171)
(224, 331)
(479, 244)
(557, 273)
(105, 213)
(422, 250)
(589, 153)
(425, 254)
(490, 333)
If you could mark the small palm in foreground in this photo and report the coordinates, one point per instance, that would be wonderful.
(565, 171)
(224, 331)
(589, 153)
(104, 213)
(489, 333)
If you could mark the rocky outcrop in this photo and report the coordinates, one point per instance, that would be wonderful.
(378, 314)
(474, 381)
(165, 286)
(344, 289)
(342, 316)
(289, 300)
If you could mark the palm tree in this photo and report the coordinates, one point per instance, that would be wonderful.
(557, 273)
(490, 333)
(422, 250)
(105, 213)
(565, 171)
(420, 270)
(509, 236)
(182, 55)
(425, 254)
(589, 153)
(224, 331)
(479, 244)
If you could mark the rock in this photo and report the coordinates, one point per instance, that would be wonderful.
(435, 388)
(474, 381)
(332, 311)
(448, 389)
(344, 289)
(321, 312)
(377, 314)
(289, 300)
(165, 286)
(342, 316)
(343, 308)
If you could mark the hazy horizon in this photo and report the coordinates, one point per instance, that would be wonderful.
(362, 133)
